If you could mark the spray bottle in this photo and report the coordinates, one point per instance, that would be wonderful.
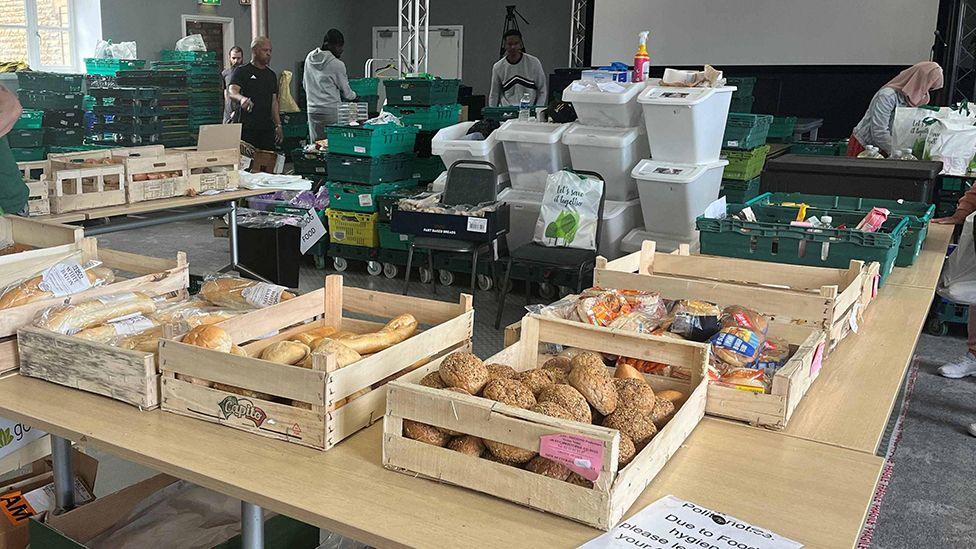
(642, 60)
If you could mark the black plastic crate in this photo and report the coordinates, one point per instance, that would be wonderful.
(64, 119)
(57, 137)
(454, 227)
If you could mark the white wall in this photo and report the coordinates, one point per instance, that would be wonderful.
(767, 32)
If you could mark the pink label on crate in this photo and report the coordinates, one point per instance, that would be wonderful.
(580, 454)
(817, 359)
(874, 286)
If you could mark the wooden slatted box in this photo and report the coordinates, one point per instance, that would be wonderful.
(615, 490)
(213, 170)
(320, 419)
(142, 171)
(75, 185)
(38, 201)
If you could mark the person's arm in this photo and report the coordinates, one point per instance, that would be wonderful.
(494, 96)
(234, 92)
(542, 91)
(882, 107)
(276, 117)
(345, 91)
(10, 111)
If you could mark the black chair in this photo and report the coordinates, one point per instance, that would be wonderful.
(552, 258)
(468, 182)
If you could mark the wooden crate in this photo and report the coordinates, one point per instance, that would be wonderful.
(76, 186)
(326, 423)
(213, 170)
(614, 491)
(144, 151)
(38, 202)
(790, 294)
(128, 376)
(137, 168)
(30, 166)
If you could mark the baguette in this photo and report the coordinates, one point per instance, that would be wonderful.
(112, 331)
(395, 331)
(308, 337)
(30, 291)
(147, 342)
(240, 293)
(344, 355)
(72, 318)
(286, 352)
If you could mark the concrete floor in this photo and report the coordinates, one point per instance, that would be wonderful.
(928, 499)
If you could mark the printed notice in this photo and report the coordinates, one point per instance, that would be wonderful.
(312, 230)
(263, 294)
(580, 454)
(671, 523)
(64, 279)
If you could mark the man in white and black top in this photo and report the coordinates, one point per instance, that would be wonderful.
(516, 74)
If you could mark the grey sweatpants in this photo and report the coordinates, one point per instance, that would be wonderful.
(317, 121)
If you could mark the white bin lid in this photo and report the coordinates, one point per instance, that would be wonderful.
(602, 97)
(531, 132)
(593, 136)
(666, 95)
(672, 172)
(520, 196)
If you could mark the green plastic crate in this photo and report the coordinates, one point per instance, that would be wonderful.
(29, 120)
(310, 163)
(372, 102)
(386, 203)
(431, 118)
(60, 101)
(956, 184)
(50, 82)
(421, 92)
(29, 155)
(741, 104)
(365, 86)
(746, 131)
(352, 197)
(390, 240)
(175, 55)
(745, 165)
(820, 148)
(918, 213)
(745, 85)
(370, 170)
(781, 130)
(371, 140)
(58, 137)
(427, 169)
(26, 138)
(771, 238)
(739, 192)
(111, 67)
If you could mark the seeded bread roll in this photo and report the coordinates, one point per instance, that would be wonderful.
(72, 318)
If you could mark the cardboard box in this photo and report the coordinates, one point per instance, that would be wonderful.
(15, 435)
(14, 534)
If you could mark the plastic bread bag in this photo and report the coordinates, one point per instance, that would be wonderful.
(241, 293)
(146, 341)
(646, 366)
(564, 308)
(737, 347)
(117, 329)
(745, 379)
(602, 309)
(774, 355)
(638, 321)
(66, 277)
(650, 303)
(695, 320)
(74, 317)
(185, 315)
(737, 315)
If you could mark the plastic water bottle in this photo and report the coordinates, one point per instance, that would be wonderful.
(870, 151)
(525, 105)
(907, 155)
(896, 155)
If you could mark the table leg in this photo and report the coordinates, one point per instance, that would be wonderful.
(814, 133)
(64, 477)
(232, 237)
(252, 526)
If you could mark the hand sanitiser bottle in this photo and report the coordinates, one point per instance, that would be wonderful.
(642, 60)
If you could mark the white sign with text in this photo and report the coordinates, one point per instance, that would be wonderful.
(312, 230)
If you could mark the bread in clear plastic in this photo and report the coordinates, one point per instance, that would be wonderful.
(241, 293)
(74, 317)
(66, 277)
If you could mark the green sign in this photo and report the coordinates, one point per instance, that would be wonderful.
(209, 2)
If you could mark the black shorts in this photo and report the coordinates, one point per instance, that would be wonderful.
(262, 139)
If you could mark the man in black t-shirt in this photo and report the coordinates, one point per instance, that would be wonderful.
(236, 59)
(255, 88)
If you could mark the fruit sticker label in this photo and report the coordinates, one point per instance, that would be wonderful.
(580, 454)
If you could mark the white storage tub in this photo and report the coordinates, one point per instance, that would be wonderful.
(665, 244)
(533, 150)
(600, 108)
(449, 145)
(686, 125)
(610, 152)
(619, 218)
(673, 195)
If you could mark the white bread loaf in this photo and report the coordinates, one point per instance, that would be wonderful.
(72, 318)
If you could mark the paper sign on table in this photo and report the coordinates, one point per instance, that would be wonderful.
(671, 523)
(312, 230)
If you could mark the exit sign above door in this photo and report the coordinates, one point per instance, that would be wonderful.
(209, 2)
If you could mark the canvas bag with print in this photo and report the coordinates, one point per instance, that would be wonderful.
(570, 211)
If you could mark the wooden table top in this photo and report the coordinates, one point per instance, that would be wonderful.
(759, 476)
(927, 268)
(151, 206)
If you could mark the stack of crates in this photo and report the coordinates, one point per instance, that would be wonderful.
(294, 126)
(367, 91)
(742, 97)
(60, 98)
(948, 194)
(745, 148)
(173, 102)
(205, 101)
(428, 105)
(311, 165)
(126, 117)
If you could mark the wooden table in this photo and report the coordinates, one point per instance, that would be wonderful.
(151, 206)
(925, 273)
(759, 476)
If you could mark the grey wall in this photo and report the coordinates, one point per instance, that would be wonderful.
(547, 35)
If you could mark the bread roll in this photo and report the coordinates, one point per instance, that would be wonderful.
(72, 318)
(239, 351)
(209, 337)
(29, 290)
(240, 293)
(286, 352)
(308, 337)
(395, 331)
(344, 355)
(147, 342)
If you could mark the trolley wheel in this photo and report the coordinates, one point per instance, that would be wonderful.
(547, 291)
(485, 283)
(937, 327)
(426, 276)
(445, 277)
(340, 264)
(374, 268)
(390, 270)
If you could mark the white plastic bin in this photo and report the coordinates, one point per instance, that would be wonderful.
(533, 150)
(673, 195)
(610, 152)
(686, 125)
(449, 145)
(663, 243)
(600, 108)
(619, 218)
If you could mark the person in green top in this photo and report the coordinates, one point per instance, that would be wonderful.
(13, 190)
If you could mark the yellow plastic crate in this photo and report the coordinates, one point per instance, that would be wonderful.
(353, 228)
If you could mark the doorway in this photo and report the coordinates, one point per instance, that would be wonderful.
(217, 32)
(444, 48)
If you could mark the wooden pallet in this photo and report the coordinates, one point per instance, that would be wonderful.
(213, 170)
(141, 190)
(615, 490)
(331, 393)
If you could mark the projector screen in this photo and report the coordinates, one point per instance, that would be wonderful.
(766, 32)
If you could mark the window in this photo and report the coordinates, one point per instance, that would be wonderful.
(39, 32)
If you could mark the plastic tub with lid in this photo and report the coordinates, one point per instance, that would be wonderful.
(673, 195)
(619, 218)
(449, 144)
(686, 124)
(606, 108)
(664, 243)
(610, 152)
(533, 150)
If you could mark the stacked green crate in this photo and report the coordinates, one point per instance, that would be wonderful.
(126, 116)
(53, 116)
(173, 102)
(947, 196)
(742, 97)
(205, 92)
(745, 148)
(367, 91)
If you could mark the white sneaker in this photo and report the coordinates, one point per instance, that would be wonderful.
(959, 368)
(972, 429)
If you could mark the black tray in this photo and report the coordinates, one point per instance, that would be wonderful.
(454, 227)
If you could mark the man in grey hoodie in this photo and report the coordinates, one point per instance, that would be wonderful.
(326, 84)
